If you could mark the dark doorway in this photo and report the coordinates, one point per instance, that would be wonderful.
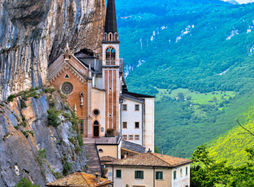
(96, 131)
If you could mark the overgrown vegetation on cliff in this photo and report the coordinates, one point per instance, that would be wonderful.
(42, 130)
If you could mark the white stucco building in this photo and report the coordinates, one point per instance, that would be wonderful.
(150, 170)
(138, 119)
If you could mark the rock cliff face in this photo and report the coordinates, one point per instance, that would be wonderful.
(34, 33)
(30, 147)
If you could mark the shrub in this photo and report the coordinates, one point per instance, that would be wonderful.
(67, 167)
(42, 154)
(25, 134)
(23, 104)
(11, 98)
(80, 140)
(53, 117)
(31, 132)
(110, 133)
(25, 183)
(75, 142)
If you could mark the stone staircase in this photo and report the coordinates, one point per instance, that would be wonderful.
(93, 160)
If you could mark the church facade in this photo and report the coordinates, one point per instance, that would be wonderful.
(97, 91)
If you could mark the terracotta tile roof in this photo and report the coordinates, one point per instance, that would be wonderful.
(107, 159)
(151, 159)
(80, 179)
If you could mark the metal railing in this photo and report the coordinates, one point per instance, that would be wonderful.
(110, 62)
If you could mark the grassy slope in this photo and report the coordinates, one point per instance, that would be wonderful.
(193, 63)
(233, 144)
(176, 138)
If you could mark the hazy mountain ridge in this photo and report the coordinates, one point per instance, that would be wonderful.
(239, 1)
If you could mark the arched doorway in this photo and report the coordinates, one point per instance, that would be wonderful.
(96, 129)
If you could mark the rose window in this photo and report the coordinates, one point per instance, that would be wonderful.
(67, 88)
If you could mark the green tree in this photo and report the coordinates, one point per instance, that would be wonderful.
(25, 183)
(207, 172)
(156, 149)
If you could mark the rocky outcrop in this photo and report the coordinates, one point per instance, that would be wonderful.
(34, 33)
(30, 146)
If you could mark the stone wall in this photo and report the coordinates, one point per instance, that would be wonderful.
(34, 33)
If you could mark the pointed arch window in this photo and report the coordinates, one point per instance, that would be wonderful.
(110, 56)
(113, 54)
(116, 36)
(105, 36)
(110, 36)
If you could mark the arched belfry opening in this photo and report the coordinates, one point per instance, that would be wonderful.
(110, 56)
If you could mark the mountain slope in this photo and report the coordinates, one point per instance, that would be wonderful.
(189, 50)
(233, 144)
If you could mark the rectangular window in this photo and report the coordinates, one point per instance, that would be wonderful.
(130, 137)
(124, 137)
(136, 125)
(119, 174)
(125, 125)
(186, 172)
(124, 107)
(174, 175)
(136, 137)
(136, 107)
(82, 126)
(139, 174)
(159, 175)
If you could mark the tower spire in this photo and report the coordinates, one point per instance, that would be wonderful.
(111, 31)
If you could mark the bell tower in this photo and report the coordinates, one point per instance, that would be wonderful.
(111, 67)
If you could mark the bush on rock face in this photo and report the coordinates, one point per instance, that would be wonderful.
(53, 117)
(25, 183)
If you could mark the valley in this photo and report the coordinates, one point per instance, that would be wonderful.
(197, 58)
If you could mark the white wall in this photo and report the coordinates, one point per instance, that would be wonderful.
(131, 116)
(98, 102)
(99, 83)
(181, 181)
(149, 124)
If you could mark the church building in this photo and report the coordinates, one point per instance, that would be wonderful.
(97, 91)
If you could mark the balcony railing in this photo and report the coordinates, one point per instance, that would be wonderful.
(110, 62)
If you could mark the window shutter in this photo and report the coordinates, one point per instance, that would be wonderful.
(142, 174)
(118, 174)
